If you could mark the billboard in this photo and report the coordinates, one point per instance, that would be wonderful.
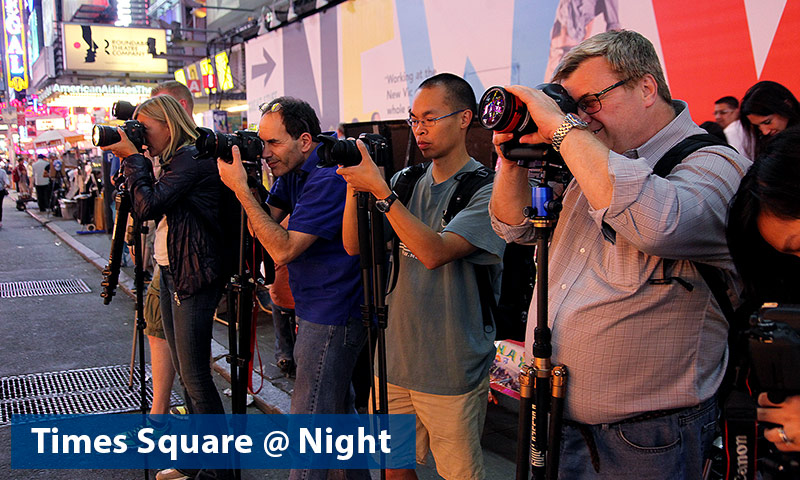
(363, 60)
(114, 49)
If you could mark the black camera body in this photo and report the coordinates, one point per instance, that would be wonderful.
(774, 350)
(335, 152)
(219, 145)
(104, 135)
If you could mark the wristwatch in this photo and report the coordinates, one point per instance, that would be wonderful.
(570, 121)
(384, 205)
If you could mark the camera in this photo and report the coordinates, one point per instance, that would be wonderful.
(104, 135)
(503, 112)
(774, 350)
(335, 152)
(219, 145)
(123, 110)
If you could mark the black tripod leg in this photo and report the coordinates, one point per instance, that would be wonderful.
(138, 231)
(556, 415)
(524, 423)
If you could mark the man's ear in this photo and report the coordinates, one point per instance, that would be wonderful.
(466, 118)
(306, 142)
(649, 89)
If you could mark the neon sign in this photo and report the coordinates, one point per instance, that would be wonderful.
(16, 62)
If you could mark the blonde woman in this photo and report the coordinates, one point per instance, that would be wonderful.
(184, 202)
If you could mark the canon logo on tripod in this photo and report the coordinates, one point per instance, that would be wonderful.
(741, 457)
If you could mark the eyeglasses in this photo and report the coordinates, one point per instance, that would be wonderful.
(429, 122)
(590, 103)
(722, 112)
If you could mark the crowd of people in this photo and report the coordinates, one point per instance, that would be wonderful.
(633, 309)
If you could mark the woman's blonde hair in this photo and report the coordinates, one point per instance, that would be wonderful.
(181, 126)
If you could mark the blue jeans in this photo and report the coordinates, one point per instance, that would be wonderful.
(672, 447)
(187, 327)
(283, 321)
(325, 356)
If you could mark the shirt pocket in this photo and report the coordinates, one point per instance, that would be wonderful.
(624, 266)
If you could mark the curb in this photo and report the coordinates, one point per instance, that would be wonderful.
(270, 399)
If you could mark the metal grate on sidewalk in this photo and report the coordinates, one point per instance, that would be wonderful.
(39, 288)
(83, 391)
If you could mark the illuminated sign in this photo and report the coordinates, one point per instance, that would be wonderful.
(209, 83)
(117, 49)
(16, 61)
(43, 124)
(224, 77)
(207, 75)
(95, 90)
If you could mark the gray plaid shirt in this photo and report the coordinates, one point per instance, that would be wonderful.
(631, 346)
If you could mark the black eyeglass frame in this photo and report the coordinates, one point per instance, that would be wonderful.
(596, 96)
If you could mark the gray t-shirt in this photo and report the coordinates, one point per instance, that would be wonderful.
(436, 342)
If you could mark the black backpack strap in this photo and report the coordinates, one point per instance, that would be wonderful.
(404, 187)
(489, 308)
(468, 184)
(683, 149)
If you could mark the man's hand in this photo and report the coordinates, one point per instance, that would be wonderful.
(787, 415)
(124, 148)
(544, 111)
(233, 174)
(365, 177)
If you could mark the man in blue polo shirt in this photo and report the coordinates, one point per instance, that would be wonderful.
(325, 281)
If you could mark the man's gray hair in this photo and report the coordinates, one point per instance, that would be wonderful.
(629, 53)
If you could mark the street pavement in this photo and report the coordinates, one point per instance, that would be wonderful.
(75, 331)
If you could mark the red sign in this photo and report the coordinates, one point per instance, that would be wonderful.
(194, 85)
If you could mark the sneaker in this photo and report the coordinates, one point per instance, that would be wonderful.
(132, 436)
(179, 412)
(170, 474)
(287, 367)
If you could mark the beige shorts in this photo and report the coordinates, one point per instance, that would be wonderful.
(450, 426)
(152, 307)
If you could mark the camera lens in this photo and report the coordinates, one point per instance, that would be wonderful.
(502, 112)
(123, 110)
(103, 136)
(337, 152)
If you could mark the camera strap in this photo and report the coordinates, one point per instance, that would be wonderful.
(740, 432)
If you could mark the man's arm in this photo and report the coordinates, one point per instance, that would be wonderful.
(281, 244)
(350, 223)
(584, 154)
(433, 249)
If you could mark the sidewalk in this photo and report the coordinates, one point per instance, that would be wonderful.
(273, 390)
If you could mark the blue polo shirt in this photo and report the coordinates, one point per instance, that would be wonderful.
(325, 280)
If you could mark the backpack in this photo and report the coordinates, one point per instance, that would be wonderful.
(738, 407)
(508, 316)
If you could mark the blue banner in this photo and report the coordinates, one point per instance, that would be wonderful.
(213, 441)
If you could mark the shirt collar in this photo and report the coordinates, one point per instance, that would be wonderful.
(311, 162)
(679, 128)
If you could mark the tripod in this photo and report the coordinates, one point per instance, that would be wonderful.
(542, 385)
(373, 277)
(111, 280)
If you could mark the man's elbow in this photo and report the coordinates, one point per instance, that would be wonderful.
(351, 250)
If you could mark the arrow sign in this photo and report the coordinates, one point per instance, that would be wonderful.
(265, 68)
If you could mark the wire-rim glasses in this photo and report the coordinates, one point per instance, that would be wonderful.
(429, 122)
(590, 103)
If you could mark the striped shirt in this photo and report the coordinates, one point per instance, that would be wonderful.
(631, 346)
